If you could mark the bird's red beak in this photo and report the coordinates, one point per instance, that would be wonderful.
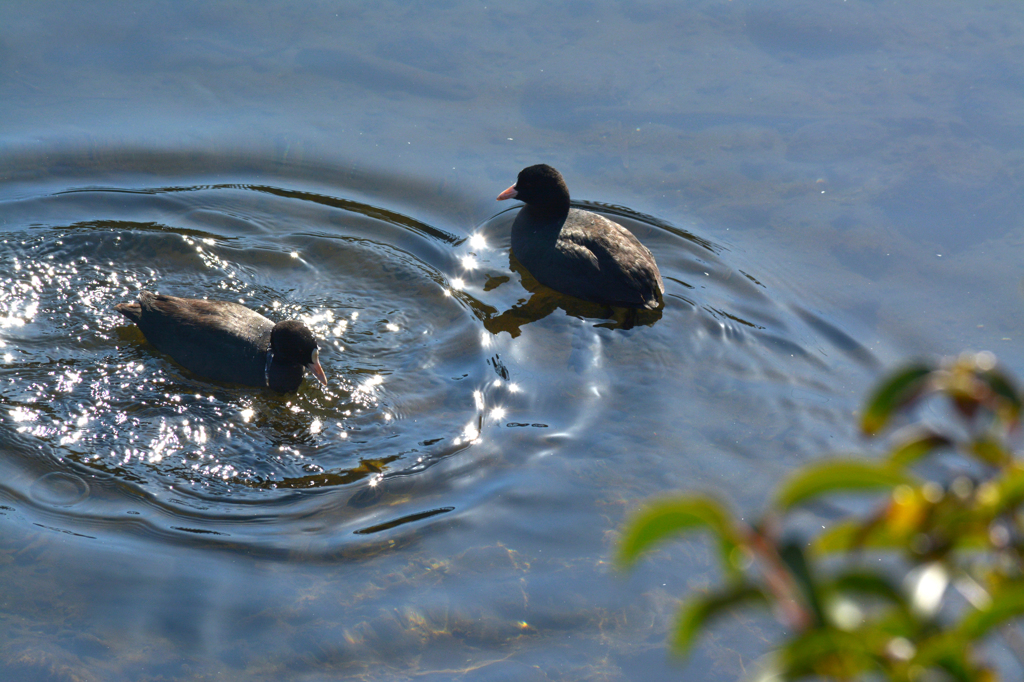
(316, 369)
(510, 193)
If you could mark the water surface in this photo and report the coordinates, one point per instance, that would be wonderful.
(827, 188)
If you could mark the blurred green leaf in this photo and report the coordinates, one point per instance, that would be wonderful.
(854, 535)
(792, 554)
(849, 535)
(734, 557)
(862, 582)
(990, 451)
(697, 612)
(848, 622)
(838, 475)
(894, 393)
(1004, 387)
(667, 518)
(915, 443)
(1011, 490)
(826, 652)
(951, 653)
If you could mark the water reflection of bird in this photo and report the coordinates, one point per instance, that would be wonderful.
(225, 341)
(577, 252)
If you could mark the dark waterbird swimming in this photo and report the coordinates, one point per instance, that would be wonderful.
(228, 342)
(577, 252)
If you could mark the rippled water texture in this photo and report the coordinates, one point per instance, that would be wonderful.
(414, 378)
(453, 374)
(827, 187)
(414, 321)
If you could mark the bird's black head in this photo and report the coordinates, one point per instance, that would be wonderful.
(541, 188)
(293, 343)
(293, 350)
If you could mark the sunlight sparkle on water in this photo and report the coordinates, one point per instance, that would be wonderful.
(365, 392)
(67, 383)
(247, 414)
(478, 241)
(325, 317)
(391, 327)
(469, 263)
(498, 413)
(22, 414)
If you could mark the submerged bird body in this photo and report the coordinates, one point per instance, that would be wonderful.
(578, 252)
(226, 341)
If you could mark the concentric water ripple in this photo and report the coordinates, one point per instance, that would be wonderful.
(412, 378)
(443, 382)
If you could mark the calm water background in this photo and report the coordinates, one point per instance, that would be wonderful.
(828, 186)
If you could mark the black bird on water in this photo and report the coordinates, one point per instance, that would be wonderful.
(577, 252)
(226, 341)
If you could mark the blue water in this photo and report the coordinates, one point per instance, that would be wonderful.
(828, 188)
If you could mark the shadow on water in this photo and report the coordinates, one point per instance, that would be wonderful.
(543, 301)
(372, 212)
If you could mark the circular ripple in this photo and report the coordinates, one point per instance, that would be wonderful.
(59, 489)
(443, 379)
(414, 379)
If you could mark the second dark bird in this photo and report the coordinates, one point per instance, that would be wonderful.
(225, 341)
(578, 252)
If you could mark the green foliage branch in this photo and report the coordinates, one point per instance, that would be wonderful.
(848, 618)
